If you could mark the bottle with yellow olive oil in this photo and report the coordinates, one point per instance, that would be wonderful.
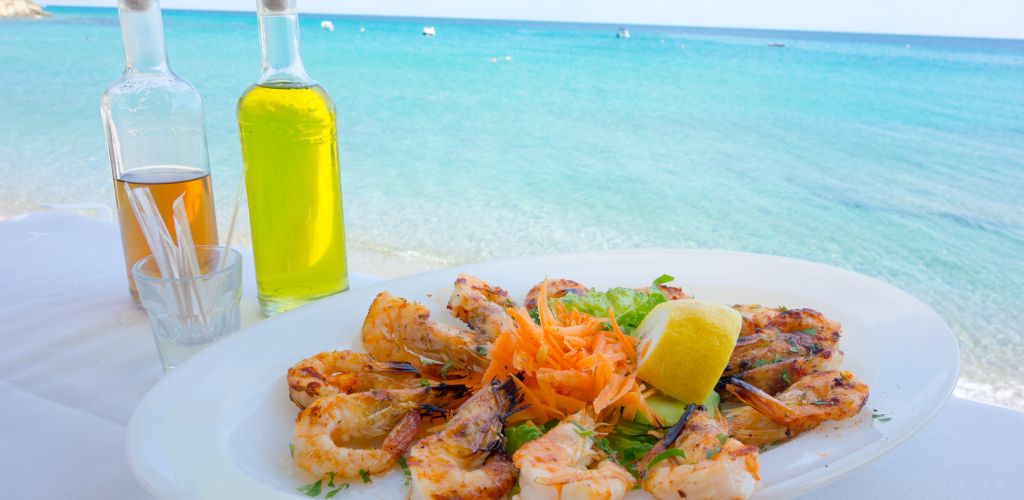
(292, 180)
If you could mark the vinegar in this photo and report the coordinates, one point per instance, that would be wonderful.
(289, 147)
(167, 183)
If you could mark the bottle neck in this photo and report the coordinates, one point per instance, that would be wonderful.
(142, 29)
(279, 39)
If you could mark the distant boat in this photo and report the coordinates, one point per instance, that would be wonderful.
(776, 44)
(327, 25)
(623, 33)
(429, 31)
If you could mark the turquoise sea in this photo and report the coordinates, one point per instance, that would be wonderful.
(899, 157)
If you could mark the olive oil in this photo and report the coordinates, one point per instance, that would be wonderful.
(292, 181)
(289, 147)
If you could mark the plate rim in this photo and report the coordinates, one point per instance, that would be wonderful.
(791, 487)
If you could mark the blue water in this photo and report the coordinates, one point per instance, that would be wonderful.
(898, 157)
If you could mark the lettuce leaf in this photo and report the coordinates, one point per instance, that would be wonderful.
(518, 435)
(630, 306)
(629, 442)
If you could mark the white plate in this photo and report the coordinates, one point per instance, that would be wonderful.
(219, 425)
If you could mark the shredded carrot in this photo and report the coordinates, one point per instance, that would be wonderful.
(567, 362)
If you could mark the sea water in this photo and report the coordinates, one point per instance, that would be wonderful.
(898, 157)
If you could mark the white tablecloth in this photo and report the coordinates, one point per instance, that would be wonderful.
(77, 356)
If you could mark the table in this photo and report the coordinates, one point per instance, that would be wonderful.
(78, 356)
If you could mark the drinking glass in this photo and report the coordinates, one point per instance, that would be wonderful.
(187, 314)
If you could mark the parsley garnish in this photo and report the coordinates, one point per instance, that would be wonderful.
(582, 431)
(330, 494)
(405, 468)
(330, 479)
(785, 377)
(783, 308)
(881, 417)
(713, 451)
(291, 450)
(444, 369)
(312, 489)
(481, 350)
(365, 475)
(722, 438)
(809, 331)
(819, 402)
(424, 383)
(669, 453)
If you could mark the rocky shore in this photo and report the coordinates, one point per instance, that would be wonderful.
(21, 8)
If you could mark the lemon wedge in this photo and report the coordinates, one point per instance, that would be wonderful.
(684, 347)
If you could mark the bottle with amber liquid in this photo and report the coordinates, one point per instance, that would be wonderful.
(156, 135)
(290, 150)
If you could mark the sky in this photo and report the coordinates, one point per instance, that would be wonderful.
(973, 18)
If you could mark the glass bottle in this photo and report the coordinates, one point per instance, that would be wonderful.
(156, 136)
(292, 180)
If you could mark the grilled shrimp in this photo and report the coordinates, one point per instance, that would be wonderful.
(772, 335)
(327, 430)
(815, 398)
(710, 464)
(481, 306)
(776, 377)
(466, 458)
(557, 465)
(336, 372)
(396, 329)
(555, 288)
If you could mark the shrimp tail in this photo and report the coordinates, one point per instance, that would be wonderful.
(401, 437)
(761, 401)
(671, 435)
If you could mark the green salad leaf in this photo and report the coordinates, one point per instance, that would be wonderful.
(630, 305)
(630, 441)
(518, 435)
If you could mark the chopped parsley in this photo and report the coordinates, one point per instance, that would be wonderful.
(713, 451)
(312, 489)
(424, 383)
(809, 331)
(405, 468)
(291, 450)
(819, 402)
(782, 308)
(481, 350)
(330, 494)
(722, 438)
(881, 417)
(582, 431)
(785, 377)
(444, 369)
(330, 479)
(669, 453)
(363, 473)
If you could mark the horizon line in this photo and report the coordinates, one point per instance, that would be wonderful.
(590, 23)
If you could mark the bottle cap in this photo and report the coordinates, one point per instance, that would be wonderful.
(277, 6)
(137, 5)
